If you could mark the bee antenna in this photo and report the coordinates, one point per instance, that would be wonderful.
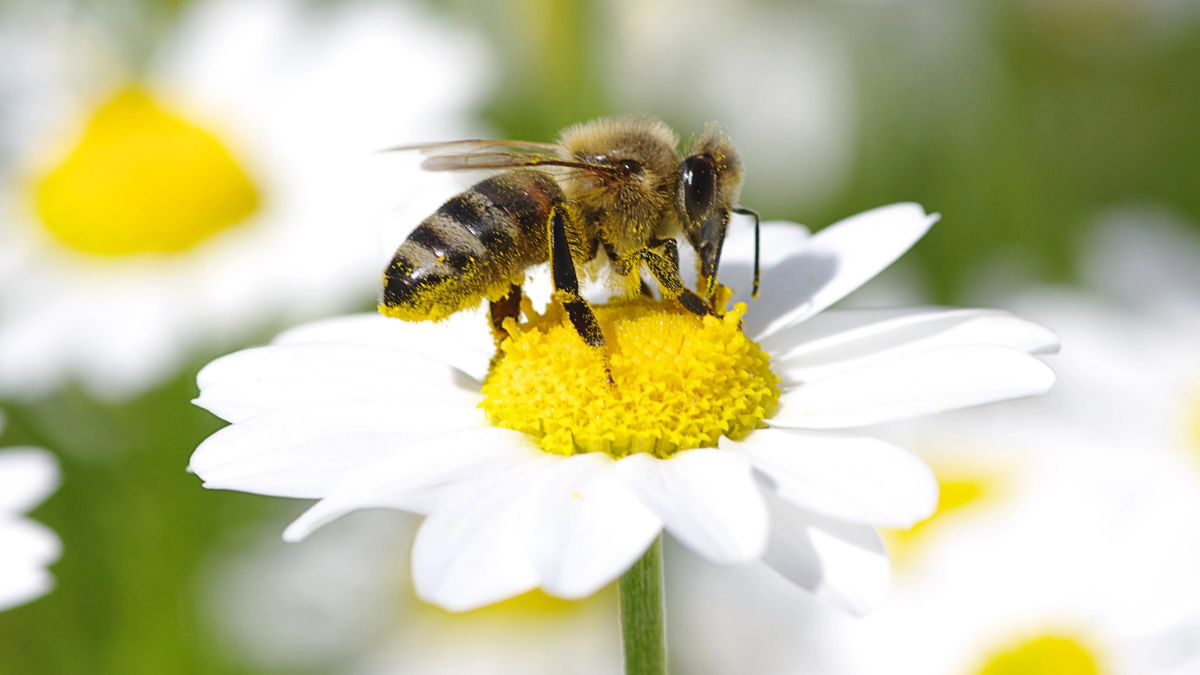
(742, 211)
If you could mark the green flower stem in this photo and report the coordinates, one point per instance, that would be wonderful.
(643, 617)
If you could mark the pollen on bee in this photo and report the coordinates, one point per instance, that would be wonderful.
(681, 381)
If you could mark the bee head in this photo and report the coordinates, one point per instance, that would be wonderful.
(707, 187)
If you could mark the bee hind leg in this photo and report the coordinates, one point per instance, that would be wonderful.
(507, 307)
(566, 287)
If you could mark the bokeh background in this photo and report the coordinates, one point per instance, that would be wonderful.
(1058, 138)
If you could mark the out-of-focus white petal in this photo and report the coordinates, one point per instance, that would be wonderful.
(911, 385)
(263, 379)
(404, 479)
(24, 543)
(462, 341)
(472, 551)
(902, 333)
(26, 548)
(863, 480)
(305, 451)
(835, 262)
(706, 498)
(588, 527)
(27, 476)
(843, 563)
(19, 586)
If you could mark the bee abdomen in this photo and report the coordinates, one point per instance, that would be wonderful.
(474, 246)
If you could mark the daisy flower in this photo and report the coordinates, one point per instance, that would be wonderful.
(221, 186)
(27, 476)
(740, 435)
(1072, 523)
(1043, 559)
(1064, 541)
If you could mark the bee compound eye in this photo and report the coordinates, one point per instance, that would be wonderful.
(699, 185)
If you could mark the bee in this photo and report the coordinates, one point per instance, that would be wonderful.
(619, 186)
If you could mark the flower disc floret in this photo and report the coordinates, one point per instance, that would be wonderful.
(679, 381)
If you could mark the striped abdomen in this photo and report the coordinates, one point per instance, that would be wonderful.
(475, 246)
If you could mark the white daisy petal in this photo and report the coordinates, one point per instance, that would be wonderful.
(780, 239)
(899, 332)
(911, 385)
(27, 477)
(857, 326)
(462, 341)
(304, 451)
(255, 381)
(403, 480)
(26, 548)
(706, 498)
(863, 480)
(588, 527)
(835, 262)
(472, 551)
(842, 563)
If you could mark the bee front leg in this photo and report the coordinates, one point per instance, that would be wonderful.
(662, 258)
(626, 266)
(566, 287)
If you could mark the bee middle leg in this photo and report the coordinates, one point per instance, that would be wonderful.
(662, 258)
(566, 287)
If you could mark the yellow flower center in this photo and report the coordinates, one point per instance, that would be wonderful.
(141, 179)
(1042, 655)
(680, 381)
(957, 493)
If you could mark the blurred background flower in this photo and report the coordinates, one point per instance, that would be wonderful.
(343, 601)
(150, 194)
(1058, 140)
(27, 476)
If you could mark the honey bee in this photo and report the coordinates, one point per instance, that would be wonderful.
(617, 185)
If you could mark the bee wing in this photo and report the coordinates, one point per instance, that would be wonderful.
(484, 155)
(508, 160)
(475, 145)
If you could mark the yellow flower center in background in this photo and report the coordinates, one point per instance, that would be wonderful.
(956, 493)
(681, 381)
(532, 605)
(1042, 655)
(142, 179)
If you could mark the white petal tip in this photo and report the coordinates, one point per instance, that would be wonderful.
(295, 535)
(303, 526)
(1042, 378)
(857, 607)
